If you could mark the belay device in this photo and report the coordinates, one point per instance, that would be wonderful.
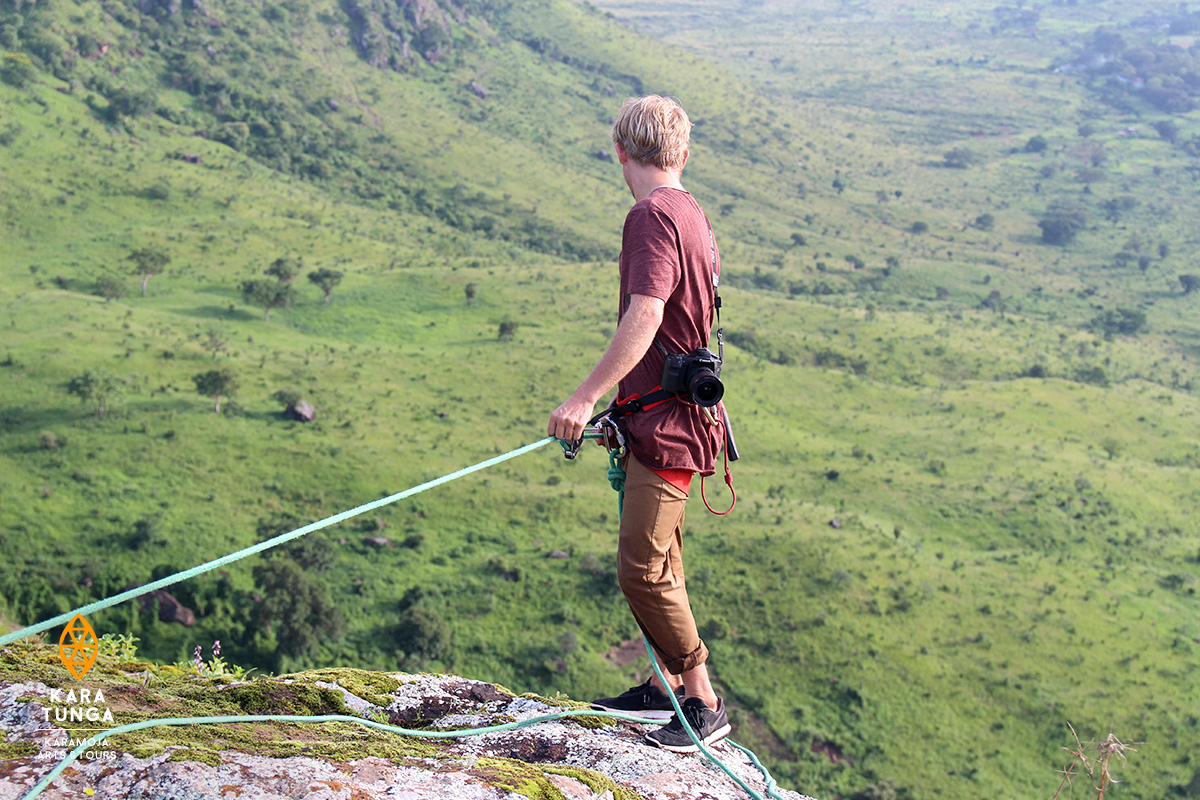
(695, 376)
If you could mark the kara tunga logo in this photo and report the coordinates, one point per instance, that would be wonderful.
(83, 714)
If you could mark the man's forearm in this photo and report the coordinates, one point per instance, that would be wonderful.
(631, 341)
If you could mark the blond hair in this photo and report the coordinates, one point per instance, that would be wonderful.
(653, 130)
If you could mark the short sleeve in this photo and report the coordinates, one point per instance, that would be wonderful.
(651, 249)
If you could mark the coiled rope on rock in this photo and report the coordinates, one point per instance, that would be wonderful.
(617, 481)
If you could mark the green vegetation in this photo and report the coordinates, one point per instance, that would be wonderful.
(1000, 423)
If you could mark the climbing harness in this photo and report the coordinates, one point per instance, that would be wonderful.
(315, 526)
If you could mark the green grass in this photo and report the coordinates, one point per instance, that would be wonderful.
(1013, 553)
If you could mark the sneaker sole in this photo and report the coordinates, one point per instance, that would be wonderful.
(656, 716)
(712, 738)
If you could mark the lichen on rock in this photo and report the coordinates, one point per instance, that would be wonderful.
(549, 760)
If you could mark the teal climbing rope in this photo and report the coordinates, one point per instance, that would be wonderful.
(616, 476)
(92, 741)
(108, 602)
(616, 479)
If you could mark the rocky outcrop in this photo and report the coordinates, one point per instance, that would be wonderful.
(583, 757)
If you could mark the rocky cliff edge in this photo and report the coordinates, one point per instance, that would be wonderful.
(44, 713)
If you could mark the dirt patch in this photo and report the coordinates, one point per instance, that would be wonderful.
(626, 652)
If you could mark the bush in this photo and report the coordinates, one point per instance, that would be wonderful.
(1063, 220)
(1123, 321)
(422, 636)
(959, 158)
(1036, 144)
(17, 70)
(985, 222)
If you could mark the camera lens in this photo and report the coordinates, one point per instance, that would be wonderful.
(705, 387)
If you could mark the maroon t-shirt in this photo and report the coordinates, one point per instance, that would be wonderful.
(667, 252)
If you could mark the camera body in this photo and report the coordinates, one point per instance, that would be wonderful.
(697, 373)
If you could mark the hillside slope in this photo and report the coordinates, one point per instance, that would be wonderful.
(1013, 485)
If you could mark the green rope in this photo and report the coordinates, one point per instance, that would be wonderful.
(108, 602)
(231, 719)
(616, 477)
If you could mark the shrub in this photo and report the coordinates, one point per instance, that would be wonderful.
(17, 70)
(1062, 221)
(959, 158)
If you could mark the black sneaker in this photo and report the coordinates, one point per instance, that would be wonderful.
(646, 700)
(709, 726)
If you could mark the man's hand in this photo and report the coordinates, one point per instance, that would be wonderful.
(569, 419)
(631, 341)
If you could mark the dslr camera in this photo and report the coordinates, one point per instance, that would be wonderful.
(697, 373)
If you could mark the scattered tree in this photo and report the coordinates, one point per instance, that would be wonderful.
(1125, 321)
(1190, 283)
(919, 227)
(296, 608)
(148, 261)
(985, 222)
(1117, 207)
(215, 384)
(1036, 144)
(268, 295)
(326, 279)
(283, 269)
(288, 397)
(1167, 129)
(508, 330)
(214, 343)
(1063, 220)
(126, 101)
(422, 636)
(469, 291)
(17, 70)
(959, 158)
(97, 386)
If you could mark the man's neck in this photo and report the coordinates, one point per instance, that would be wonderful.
(645, 178)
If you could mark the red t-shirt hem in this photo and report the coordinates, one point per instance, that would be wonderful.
(681, 479)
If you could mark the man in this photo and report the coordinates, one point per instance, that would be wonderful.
(668, 269)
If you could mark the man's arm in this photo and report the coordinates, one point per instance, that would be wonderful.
(631, 341)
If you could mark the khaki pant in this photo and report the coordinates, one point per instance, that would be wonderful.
(650, 567)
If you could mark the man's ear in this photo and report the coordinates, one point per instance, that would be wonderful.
(622, 156)
(686, 152)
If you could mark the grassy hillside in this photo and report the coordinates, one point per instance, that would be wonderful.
(1013, 479)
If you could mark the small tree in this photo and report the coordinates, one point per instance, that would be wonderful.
(1167, 129)
(1036, 144)
(17, 70)
(985, 222)
(268, 295)
(1062, 221)
(508, 330)
(959, 158)
(213, 342)
(109, 287)
(283, 269)
(97, 386)
(215, 384)
(147, 262)
(326, 279)
(469, 291)
(1190, 283)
